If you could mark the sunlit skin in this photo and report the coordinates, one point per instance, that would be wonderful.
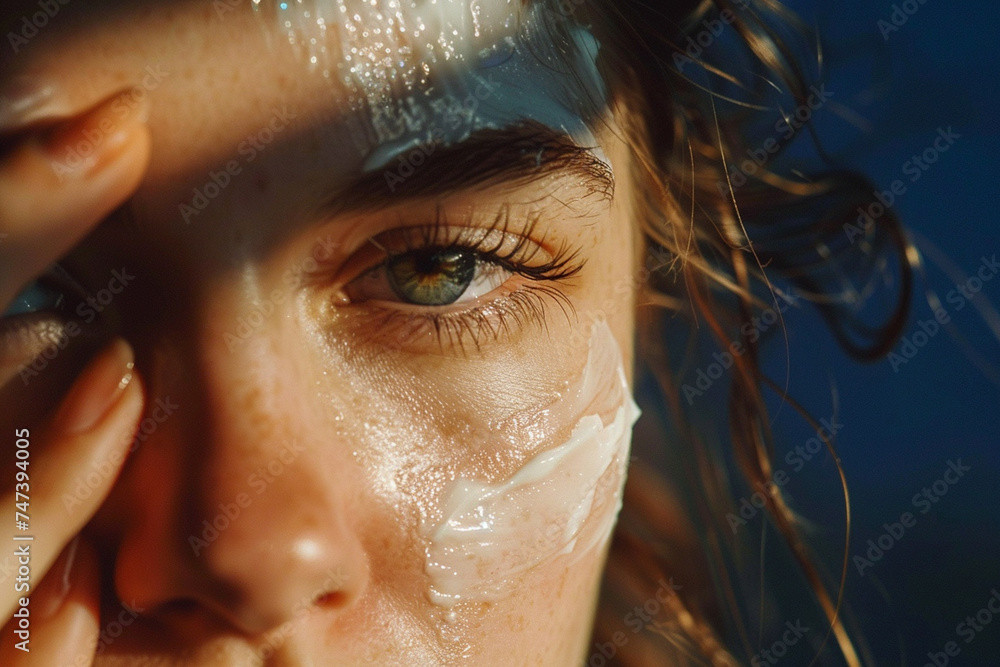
(368, 419)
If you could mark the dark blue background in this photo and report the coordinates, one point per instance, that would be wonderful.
(939, 70)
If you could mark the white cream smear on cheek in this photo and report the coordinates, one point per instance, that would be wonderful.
(490, 534)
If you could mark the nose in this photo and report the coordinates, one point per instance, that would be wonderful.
(243, 503)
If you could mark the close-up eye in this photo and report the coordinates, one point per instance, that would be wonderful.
(441, 264)
(54, 292)
(430, 277)
(495, 280)
(35, 297)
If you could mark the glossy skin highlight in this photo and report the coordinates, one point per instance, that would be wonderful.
(332, 433)
(560, 505)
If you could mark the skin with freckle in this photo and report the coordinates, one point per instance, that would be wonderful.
(561, 503)
(339, 440)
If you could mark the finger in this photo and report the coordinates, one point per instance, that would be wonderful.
(29, 99)
(56, 184)
(84, 441)
(64, 620)
(26, 99)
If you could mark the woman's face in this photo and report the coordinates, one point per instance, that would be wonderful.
(384, 327)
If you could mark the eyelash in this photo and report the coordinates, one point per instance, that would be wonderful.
(526, 304)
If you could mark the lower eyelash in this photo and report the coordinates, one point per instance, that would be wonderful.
(501, 317)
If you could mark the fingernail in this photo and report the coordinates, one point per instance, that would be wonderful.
(98, 389)
(53, 592)
(83, 145)
(25, 99)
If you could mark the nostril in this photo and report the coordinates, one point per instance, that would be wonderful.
(334, 591)
(330, 599)
(181, 606)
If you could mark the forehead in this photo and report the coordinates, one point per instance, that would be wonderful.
(384, 42)
(313, 91)
(437, 70)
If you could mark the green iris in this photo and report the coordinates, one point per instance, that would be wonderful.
(432, 277)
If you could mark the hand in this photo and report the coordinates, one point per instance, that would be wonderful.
(52, 194)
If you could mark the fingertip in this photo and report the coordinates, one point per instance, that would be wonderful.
(57, 182)
(91, 432)
(77, 170)
(98, 389)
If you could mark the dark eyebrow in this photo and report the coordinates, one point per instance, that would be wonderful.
(514, 156)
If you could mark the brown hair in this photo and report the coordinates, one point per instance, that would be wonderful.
(710, 239)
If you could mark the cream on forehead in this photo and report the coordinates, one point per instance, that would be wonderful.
(563, 501)
(435, 71)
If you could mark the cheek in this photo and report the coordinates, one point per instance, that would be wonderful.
(536, 488)
(559, 506)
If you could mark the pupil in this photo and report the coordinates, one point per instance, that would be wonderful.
(437, 263)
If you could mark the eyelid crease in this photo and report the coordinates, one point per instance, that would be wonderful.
(509, 157)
